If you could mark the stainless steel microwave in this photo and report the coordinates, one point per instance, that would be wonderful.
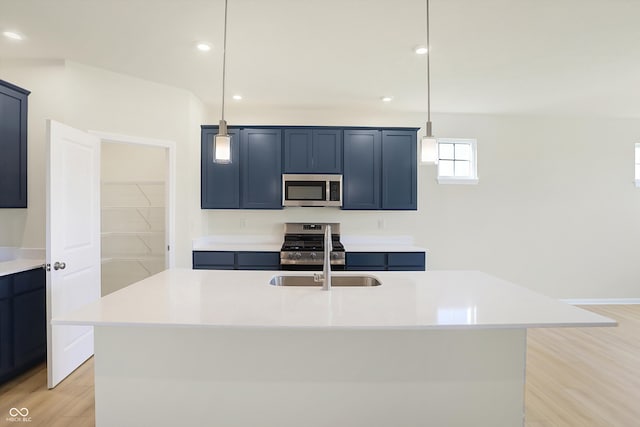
(311, 190)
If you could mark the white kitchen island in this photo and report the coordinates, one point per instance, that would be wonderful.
(225, 348)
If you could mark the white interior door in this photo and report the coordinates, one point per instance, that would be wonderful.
(73, 243)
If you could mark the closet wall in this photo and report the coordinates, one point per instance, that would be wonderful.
(133, 214)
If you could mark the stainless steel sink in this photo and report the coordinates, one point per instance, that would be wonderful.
(335, 281)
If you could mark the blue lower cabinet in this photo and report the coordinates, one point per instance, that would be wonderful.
(240, 260)
(214, 260)
(385, 261)
(30, 327)
(261, 168)
(365, 261)
(6, 336)
(23, 330)
(258, 261)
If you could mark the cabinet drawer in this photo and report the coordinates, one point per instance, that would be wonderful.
(365, 259)
(5, 286)
(27, 281)
(402, 259)
(203, 259)
(258, 259)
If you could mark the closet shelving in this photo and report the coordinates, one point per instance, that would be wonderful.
(133, 232)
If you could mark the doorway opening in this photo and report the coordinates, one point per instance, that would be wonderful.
(136, 188)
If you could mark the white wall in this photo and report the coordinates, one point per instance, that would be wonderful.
(555, 210)
(47, 82)
(94, 99)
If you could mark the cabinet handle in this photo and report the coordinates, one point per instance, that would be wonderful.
(59, 266)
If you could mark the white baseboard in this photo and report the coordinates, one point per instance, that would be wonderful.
(601, 301)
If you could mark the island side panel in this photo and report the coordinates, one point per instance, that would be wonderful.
(167, 376)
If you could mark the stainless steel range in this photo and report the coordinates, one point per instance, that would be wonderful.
(303, 247)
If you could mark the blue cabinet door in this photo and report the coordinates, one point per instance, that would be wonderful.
(361, 177)
(258, 261)
(6, 357)
(29, 318)
(214, 260)
(315, 150)
(261, 172)
(298, 150)
(220, 182)
(399, 170)
(13, 146)
(327, 151)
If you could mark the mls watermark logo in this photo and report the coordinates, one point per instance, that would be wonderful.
(19, 415)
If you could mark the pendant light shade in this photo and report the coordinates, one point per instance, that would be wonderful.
(429, 150)
(222, 141)
(222, 145)
(429, 145)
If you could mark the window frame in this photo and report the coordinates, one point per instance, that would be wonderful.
(472, 178)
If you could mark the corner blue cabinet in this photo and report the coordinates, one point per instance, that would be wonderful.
(220, 182)
(13, 146)
(261, 170)
(362, 169)
(399, 170)
(23, 330)
(312, 150)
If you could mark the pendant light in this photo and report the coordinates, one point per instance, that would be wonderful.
(429, 146)
(222, 141)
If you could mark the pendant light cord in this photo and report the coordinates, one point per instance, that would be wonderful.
(224, 56)
(428, 76)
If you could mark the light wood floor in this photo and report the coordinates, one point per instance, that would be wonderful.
(576, 377)
(585, 377)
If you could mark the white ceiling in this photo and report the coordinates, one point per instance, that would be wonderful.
(576, 57)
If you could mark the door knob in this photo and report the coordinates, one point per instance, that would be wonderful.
(59, 266)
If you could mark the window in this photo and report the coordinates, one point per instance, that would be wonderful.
(457, 162)
(638, 165)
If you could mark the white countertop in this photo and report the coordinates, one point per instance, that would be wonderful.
(252, 243)
(405, 300)
(15, 260)
(234, 242)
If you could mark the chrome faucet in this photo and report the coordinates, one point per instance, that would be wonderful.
(325, 276)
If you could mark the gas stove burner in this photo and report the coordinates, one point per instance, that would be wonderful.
(303, 246)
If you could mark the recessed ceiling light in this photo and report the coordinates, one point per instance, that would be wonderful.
(421, 50)
(12, 35)
(204, 47)
(386, 99)
(237, 97)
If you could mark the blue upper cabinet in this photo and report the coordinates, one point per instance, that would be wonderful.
(261, 168)
(362, 161)
(220, 182)
(378, 165)
(327, 150)
(13, 146)
(399, 170)
(298, 150)
(315, 150)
